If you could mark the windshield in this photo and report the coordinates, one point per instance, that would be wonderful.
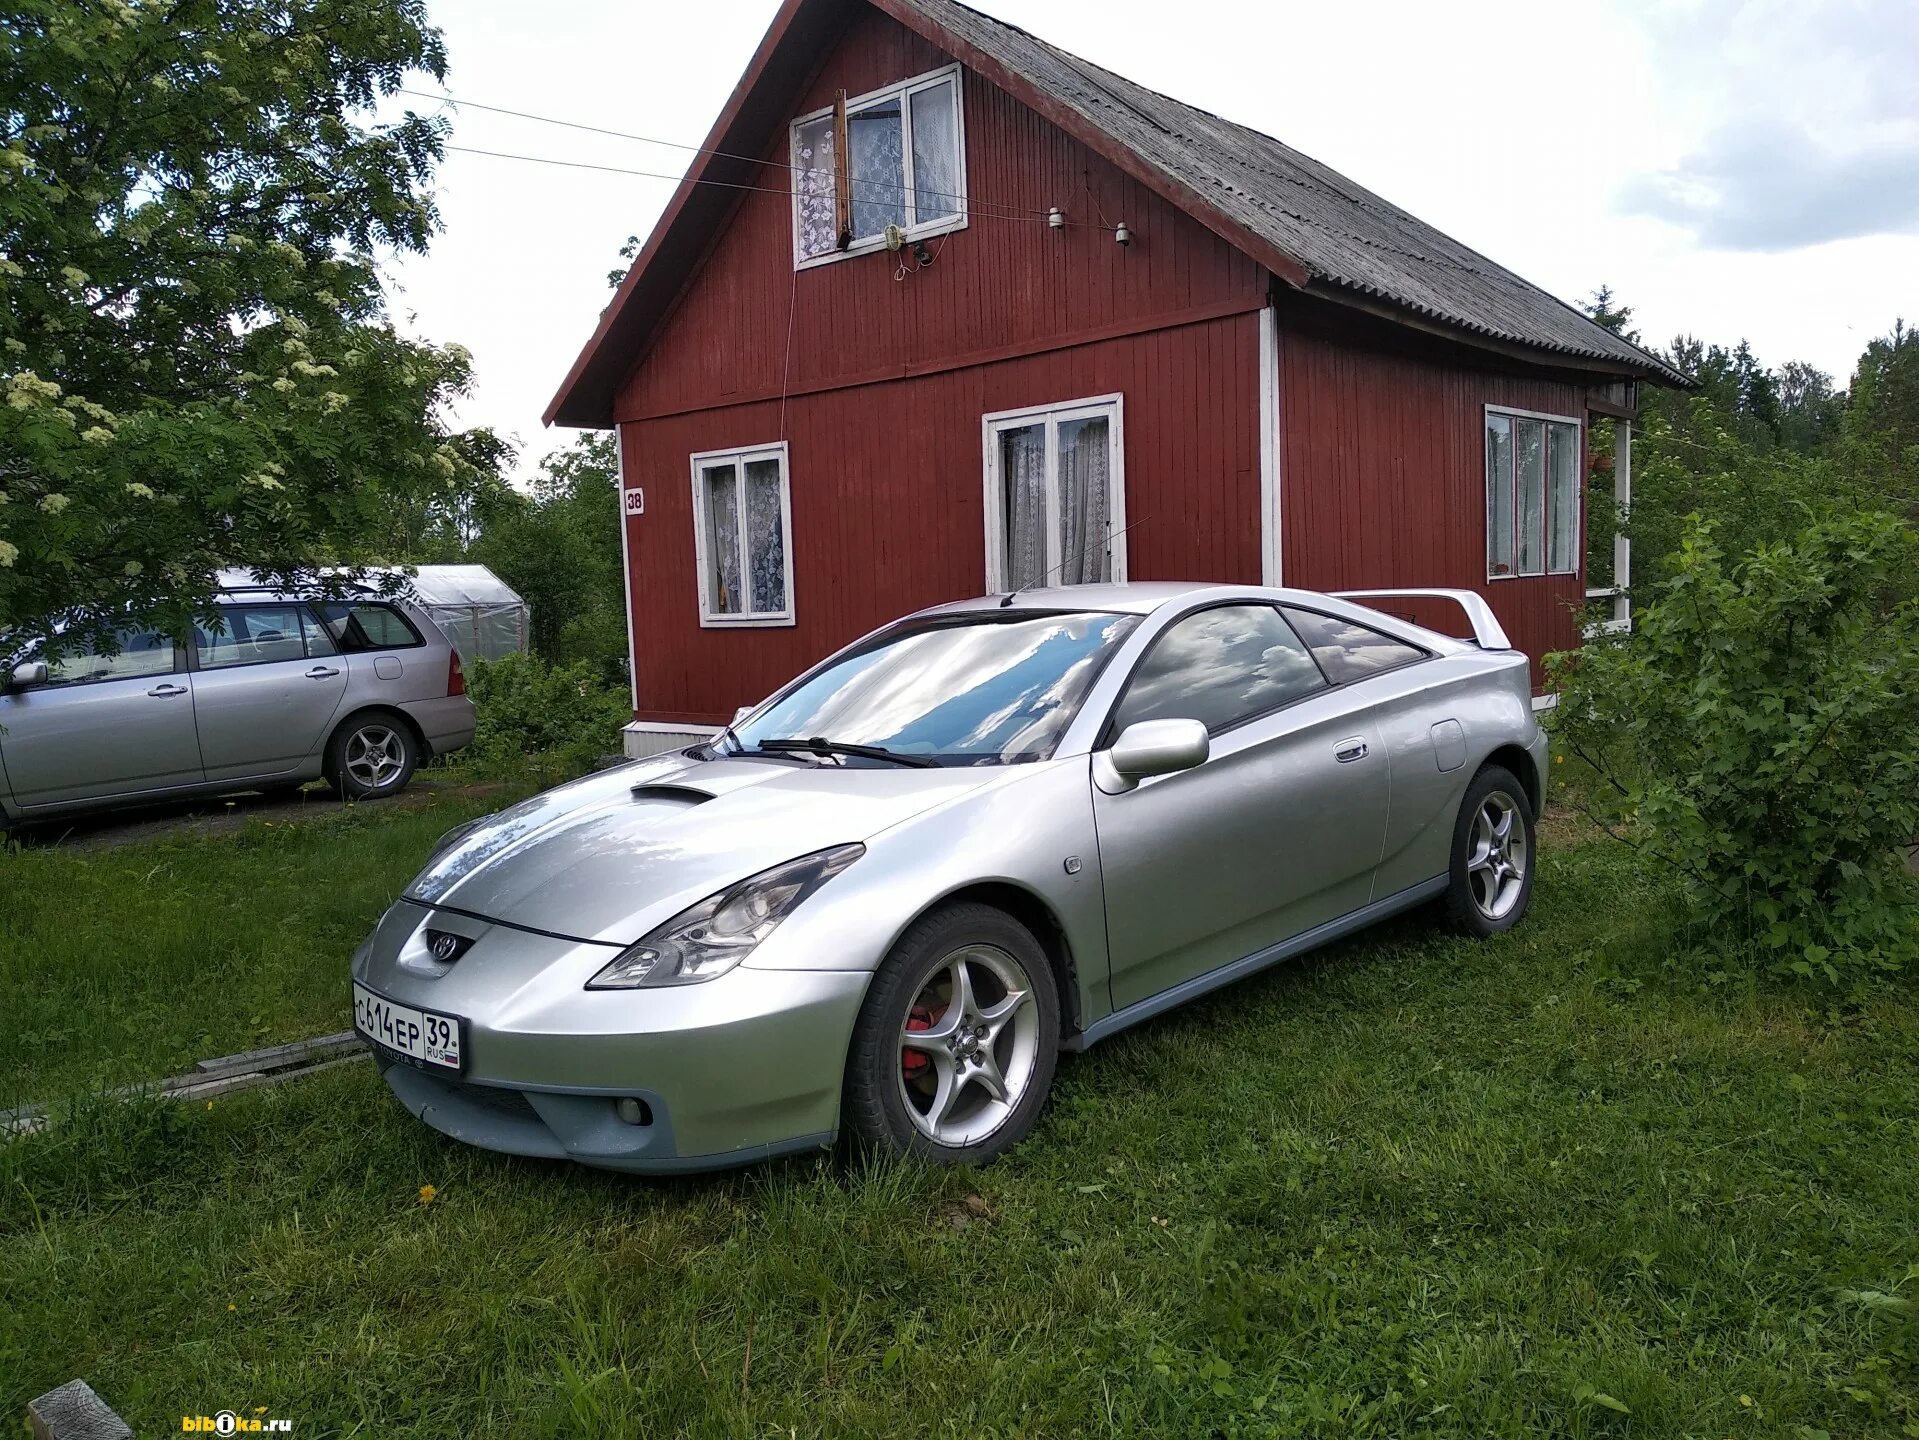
(980, 690)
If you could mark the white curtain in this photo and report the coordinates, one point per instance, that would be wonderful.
(1085, 482)
(723, 540)
(1022, 468)
(765, 536)
(936, 160)
(814, 185)
(878, 172)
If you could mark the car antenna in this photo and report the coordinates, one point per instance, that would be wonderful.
(1012, 594)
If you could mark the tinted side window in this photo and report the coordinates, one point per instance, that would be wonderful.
(251, 635)
(1346, 651)
(1220, 666)
(363, 625)
(139, 655)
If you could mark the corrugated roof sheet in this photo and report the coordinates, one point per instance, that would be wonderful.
(1346, 237)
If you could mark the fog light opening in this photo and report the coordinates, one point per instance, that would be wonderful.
(634, 1111)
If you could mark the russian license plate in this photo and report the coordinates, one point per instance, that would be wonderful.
(418, 1035)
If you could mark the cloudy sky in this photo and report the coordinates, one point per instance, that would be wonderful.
(1730, 167)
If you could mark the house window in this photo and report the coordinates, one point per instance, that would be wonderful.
(1055, 495)
(905, 166)
(1532, 494)
(743, 536)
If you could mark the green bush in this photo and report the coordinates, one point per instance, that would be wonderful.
(1759, 731)
(565, 715)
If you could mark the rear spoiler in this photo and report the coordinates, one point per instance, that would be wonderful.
(1488, 634)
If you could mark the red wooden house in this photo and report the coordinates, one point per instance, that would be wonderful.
(941, 310)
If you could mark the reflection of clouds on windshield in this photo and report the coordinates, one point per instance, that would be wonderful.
(1220, 666)
(992, 688)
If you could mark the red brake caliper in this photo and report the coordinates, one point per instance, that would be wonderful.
(913, 1063)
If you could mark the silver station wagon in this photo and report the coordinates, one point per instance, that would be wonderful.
(284, 689)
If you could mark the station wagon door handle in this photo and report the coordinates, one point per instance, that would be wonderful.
(167, 692)
(321, 672)
(1348, 751)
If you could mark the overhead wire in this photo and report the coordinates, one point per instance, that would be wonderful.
(971, 203)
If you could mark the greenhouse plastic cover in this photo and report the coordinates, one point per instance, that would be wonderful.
(481, 614)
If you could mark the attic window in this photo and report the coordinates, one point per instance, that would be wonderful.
(906, 148)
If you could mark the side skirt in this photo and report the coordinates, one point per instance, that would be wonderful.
(1251, 964)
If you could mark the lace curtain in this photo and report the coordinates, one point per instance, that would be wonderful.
(723, 540)
(765, 536)
(878, 171)
(1022, 469)
(813, 187)
(1085, 475)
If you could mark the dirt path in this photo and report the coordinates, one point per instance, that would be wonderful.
(224, 815)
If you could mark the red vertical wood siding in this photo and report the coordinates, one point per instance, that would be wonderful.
(1004, 281)
(889, 498)
(885, 380)
(877, 380)
(1383, 480)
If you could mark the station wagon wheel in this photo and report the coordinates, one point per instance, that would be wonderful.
(955, 1046)
(373, 754)
(1491, 879)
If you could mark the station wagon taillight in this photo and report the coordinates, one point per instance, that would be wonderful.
(455, 674)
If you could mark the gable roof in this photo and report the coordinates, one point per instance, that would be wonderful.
(1312, 227)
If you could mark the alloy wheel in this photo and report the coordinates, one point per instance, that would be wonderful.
(375, 757)
(1496, 865)
(968, 1046)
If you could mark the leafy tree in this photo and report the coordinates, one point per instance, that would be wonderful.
(1759, 732)
(1883, 418)
(195, 360)
(559, 546)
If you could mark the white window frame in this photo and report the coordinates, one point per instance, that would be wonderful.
(702, 541)
(902, 91)
(1113, 408)
(1546, 518)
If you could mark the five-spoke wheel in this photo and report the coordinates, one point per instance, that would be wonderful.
(955, 1046)
(967, 1045)
(372, 755)
(1492, 875)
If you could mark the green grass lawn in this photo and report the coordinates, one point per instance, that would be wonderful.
(130, 963)
(1412, 1186)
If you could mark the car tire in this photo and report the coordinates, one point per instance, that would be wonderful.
(371, 755)
(1490, 882)
(965, 1094)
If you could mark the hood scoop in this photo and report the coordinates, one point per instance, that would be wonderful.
(683, 795)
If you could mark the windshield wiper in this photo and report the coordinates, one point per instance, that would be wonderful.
(821, 746)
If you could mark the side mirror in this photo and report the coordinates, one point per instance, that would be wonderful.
(1150, 747)
(34, 672)
(741, 713)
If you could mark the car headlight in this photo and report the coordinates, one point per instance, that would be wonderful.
(712, 937)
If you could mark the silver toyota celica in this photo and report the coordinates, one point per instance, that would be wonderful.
(883, 901)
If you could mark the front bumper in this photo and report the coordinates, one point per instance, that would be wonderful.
(728, 1072)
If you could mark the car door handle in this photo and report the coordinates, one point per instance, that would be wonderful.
(167, 692)
(321, 672)
(1348, 751)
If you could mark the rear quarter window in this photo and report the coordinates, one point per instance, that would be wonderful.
(1347, 651)
(367, 625)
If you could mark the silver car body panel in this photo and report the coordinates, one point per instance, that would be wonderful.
(1282, 839)
(213, 729)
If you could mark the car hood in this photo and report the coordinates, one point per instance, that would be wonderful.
(609, 857)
